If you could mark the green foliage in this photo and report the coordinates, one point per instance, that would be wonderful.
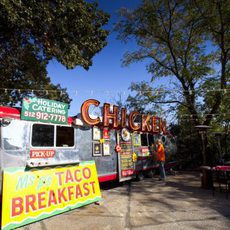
(165, 34)
(34, 32)
(188, 43)
(141, 101)
(176, 37)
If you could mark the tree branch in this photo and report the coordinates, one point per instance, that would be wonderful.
(171, 102)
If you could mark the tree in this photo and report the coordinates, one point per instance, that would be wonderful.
(144, 100)
(187, 42)
(34, 32)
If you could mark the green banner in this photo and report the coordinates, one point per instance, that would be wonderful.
(44, 110)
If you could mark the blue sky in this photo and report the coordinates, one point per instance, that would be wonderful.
(106, 78)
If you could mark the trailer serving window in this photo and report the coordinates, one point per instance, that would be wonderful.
(144, 140)
(43, 135)
(52, 136)
(64, 136)
(150, 139)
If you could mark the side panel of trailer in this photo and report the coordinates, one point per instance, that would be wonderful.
(30, 144)
(37, 144)
(88, 148)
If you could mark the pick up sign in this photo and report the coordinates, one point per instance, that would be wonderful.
(35, 153)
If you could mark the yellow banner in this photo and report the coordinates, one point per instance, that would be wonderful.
(32, 195)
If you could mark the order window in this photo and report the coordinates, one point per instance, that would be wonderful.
(150, 139)
(144, 141)
(64, 136)
(44, 136)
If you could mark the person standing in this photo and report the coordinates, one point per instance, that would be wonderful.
(161, 159)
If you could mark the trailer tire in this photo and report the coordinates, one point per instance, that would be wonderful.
(149, 174)
(154, 172)
(140, 176)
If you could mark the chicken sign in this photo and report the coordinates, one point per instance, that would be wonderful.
(114, 120)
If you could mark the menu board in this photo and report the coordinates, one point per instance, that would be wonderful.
(126, 160)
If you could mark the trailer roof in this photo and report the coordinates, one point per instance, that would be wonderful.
(9, 112)
(15, 113)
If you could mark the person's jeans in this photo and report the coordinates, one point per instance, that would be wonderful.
(162, 170)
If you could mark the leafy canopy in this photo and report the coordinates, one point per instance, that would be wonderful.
(186, 42)
(34, 32)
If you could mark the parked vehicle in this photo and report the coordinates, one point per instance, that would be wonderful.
(35, 144)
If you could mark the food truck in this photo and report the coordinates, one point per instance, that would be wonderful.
(40, 136)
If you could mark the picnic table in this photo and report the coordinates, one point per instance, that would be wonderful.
(221, 177)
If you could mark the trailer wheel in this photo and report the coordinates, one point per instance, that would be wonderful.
(140, 176)
(154, 172)
(149, 174)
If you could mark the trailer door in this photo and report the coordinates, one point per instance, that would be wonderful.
(125, 156)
